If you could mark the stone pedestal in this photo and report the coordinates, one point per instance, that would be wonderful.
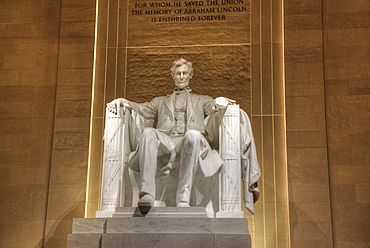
(157, 230)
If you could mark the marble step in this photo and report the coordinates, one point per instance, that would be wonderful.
(159, 225)
(159, 231)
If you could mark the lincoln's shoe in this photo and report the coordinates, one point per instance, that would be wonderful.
(146, 200)
(183, 204)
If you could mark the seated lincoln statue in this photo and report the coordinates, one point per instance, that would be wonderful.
(185, 130)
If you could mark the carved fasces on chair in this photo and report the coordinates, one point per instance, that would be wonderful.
(230, 174)
(121, 133)
(113, 162)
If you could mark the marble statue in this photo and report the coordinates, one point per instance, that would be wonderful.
(177, 134)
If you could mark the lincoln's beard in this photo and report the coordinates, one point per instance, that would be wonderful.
(181, 85)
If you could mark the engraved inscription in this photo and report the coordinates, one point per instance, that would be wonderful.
(187, 11)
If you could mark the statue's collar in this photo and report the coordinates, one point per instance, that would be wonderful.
(179, 91)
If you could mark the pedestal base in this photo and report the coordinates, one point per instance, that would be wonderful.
(159, 231)
(230, 214)
(164, 212)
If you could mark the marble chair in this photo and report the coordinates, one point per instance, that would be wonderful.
(220, 194)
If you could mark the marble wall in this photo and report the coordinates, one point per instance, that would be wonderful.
(68, 169)
(46, 72)
(46, 60)
(308, 167)
(327, 89)
(347, 99)
(29, 49)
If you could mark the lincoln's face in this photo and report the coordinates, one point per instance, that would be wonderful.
(182, 76)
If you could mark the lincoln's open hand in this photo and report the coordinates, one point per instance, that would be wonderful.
(115, 105)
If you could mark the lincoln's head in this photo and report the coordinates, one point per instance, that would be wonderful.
(182, 72)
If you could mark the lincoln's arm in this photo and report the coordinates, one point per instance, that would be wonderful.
(208, 103)
(147, 109)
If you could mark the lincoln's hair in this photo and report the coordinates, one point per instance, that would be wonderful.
(179, 63)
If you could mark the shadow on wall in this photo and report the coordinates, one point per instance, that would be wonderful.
(57, 229)
(302, 223)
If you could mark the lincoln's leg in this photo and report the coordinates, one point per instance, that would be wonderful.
(152, 144)
(148, 153)
(192, 144)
